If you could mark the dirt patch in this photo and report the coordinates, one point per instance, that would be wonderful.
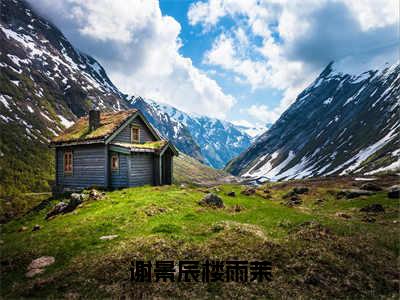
(240, 228)
(154, 210)
(342, 215)
(312, 230)
(236, 208)
(248, 191)
(294, 200)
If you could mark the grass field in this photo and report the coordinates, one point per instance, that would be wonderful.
(314, 252)
(187, 171)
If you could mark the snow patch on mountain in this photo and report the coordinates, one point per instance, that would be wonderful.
(367, 152)
(392, 167)
(4, 101)
(66, 123)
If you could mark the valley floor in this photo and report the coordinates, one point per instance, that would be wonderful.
(319, 242)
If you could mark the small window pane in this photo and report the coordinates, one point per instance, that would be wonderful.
(135, 135)
(68, 162)
(114, 162)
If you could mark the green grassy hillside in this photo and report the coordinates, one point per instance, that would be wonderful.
(315, 252)
(22, 177)
(190, 171)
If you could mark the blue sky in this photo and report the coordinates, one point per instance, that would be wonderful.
(240, 60)
(195, 43)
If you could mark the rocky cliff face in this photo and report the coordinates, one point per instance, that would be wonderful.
(340, 124)
(212, 141)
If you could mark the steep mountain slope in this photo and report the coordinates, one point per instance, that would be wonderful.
(45, 83)
(211, 140)
(340, 124)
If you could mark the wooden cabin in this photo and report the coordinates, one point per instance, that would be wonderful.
(111, 150)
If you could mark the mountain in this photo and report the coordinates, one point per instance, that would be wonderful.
(341, 124)
(253, 131)
(45, 84)
(212, 141)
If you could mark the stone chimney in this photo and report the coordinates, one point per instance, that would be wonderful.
(94, 119)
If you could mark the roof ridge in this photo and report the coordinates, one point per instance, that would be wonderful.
(109, 123)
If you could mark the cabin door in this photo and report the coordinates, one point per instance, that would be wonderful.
(166, 168)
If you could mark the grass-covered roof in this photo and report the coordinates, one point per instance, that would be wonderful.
(109, 122)
(156, 145)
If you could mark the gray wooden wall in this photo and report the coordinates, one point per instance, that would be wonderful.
(88, 167)
(125, 135)
(141, 169)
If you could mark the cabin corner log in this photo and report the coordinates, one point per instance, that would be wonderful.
(106, 167)
(56, 182)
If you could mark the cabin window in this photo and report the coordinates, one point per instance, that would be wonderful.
(68, 162)
(135, 134)
(114, 162)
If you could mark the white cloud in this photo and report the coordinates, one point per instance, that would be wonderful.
(114, 22)
(369, 13)
(263, 114)
(209, 12)
(139, 48)
(225, 53)
(299, 38)
(375, 13)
